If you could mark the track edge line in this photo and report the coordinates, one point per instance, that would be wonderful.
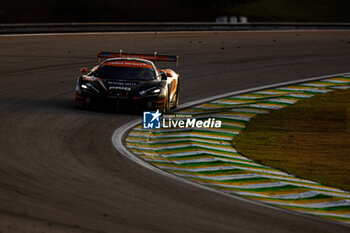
(120, 134)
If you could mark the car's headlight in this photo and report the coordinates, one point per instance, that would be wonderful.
(150, 92)
(89, 87)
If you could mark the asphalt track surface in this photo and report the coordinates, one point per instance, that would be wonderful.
(59, 171)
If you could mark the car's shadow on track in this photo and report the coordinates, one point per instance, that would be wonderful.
(135, 112)
(60, 106)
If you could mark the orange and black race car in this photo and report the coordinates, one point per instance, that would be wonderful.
(128, 81)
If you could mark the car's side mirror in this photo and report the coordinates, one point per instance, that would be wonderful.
(163, 76)
(83, 70)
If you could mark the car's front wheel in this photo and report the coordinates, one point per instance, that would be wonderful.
(177, 97)
(166, 107)
(82, 103)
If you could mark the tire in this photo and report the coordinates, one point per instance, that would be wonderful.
(85, 105)
(166, 107)
(177, 98)
(78, 106)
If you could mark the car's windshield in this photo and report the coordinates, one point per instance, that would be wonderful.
(127, 73)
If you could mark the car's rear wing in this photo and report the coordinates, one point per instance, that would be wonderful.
(150, 57)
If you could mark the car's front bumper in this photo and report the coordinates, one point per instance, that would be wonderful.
(122, 102)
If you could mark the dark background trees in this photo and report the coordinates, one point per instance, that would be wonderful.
(43, 11)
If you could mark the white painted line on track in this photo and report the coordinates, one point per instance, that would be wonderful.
(120, 134)
(161, 32)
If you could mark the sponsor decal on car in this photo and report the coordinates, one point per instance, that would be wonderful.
(121, 83)
(127, 64)
(119, 88)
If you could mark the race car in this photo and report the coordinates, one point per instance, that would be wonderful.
(129, 81)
